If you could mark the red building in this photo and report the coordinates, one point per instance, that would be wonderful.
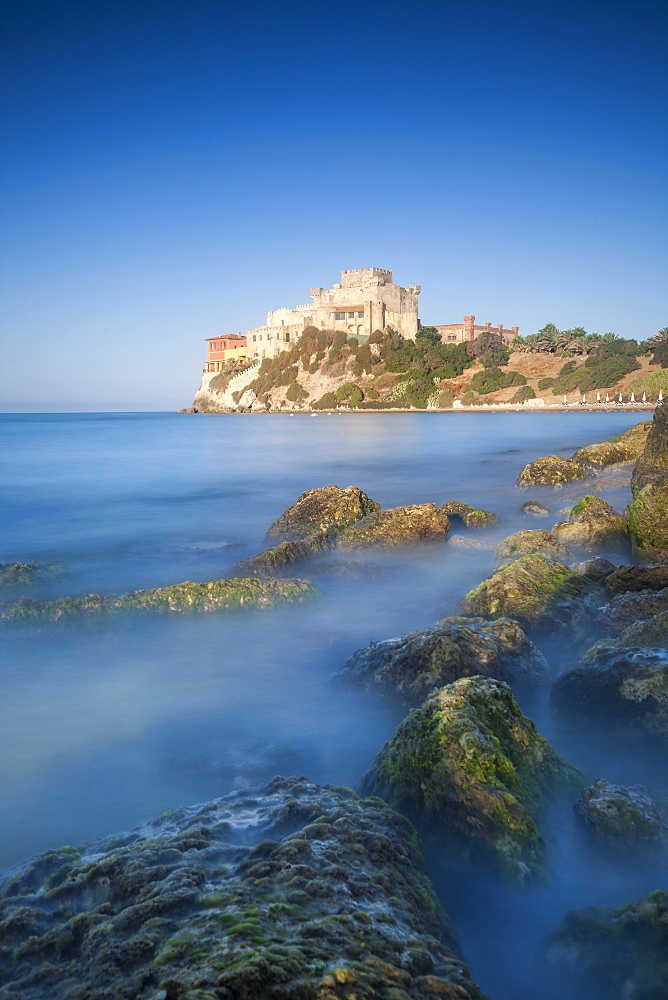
(222, 348)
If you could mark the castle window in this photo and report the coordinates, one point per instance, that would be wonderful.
(254, 338)
(339, 315)
(360, 315)
(351, 315)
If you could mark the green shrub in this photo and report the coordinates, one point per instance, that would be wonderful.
(326, 402)
(523, 393)
(545, 383)
(445, 399)
(350, 393)
(472, 399)
(372, 393)
(296, 392)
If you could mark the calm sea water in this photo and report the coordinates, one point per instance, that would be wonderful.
(102, 728)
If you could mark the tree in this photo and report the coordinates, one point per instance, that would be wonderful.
(429, 333)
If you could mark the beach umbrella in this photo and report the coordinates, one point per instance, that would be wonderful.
(633, 398)
(584, 397)
(660, 395)
(620, 398)
(644, 397)
(607, 398)
(598, 397)
(565, 401)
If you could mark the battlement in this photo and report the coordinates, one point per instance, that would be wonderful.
(365, 275)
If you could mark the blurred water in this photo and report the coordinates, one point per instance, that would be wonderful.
(104, 727)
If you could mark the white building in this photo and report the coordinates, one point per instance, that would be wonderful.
(366, 300)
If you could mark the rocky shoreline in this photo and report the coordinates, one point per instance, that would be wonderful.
(295, 891)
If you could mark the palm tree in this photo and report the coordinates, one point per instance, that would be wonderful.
(659, 338)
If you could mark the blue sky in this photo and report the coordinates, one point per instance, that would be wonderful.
(174, 170)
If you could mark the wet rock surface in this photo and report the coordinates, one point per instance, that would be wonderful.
(423, 522)
(22, 574)
(544, 596)
(627, 609)
(656, 445)
(625, 819)
(605, 453)
(470, 517)
(634, 578)
(648, 511)
(321, 508)
(550, 470)
(411, 666)
(595, 569)
(473, 771)
(593, 526)
(536, 542)
(292, 892)
(185, 597)
(276, 559)
(616, 954)
(623, 689)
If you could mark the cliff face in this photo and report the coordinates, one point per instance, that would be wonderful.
(215, 393)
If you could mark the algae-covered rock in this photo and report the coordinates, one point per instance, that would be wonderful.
(412, 665)
(524, 543)
(293, 891)
(648, 517)
(635, 437)
(469, 516)
(183, 597)
(656, 445)
(22, 574)
(627, 819)
(595, 569)
(276, 559)
(546, 597)
(423, 522)
(472, 768)
(605, 453)
(626, 609)
(624, 689)
(535, 509)
(633, 578)
(320, 508)
(593, 525)
(551, 470)
(619, 954)
(651, 633)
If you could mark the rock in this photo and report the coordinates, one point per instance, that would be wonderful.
(276, 559)
(183, 597)
(462, 542)
(648, 513)
(593, 525)
(656, 446)
(625, 689)
(636, 437)
(625, 609)
(469, 516)
(552, 470)
(626, 578)
(619, 954)
(605, 453)
(423, 522)
(595, 569)
(625, 819)
(535, 509)
(292, 891)
(471, 768)
(544, 596)
(22, 574)
(320, 508)
(413, 665)
(651, 633)
(536, 542)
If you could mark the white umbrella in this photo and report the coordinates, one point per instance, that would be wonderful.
(565, 401)
(598, 397)
(620, 398)
(584, 397)
(660, 395)
(644, 397)
(633, 398)
(607, 398)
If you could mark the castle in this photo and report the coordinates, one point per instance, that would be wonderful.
(365, 300)
(458, 333)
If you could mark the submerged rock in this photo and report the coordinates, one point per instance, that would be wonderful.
(291, 892)
(546, 597)
(423, 522)
(535, 509)
(616, 953)
(524, 543)
(595, 569)
(593, 525)
(624, 819)
(321, 508)
(551, 470)
(605, 453)
(626, 689)
(469, 516)
(183, 597)
(471, 767)
(413, 665)
(22, 574)
(633, 578)
(276, 559)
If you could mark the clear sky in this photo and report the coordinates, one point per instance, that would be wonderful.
(175, 169)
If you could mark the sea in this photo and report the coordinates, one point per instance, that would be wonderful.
(106, 726)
